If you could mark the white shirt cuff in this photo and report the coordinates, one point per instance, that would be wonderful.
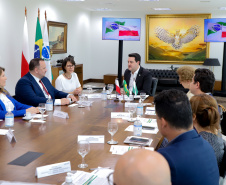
(69, 95)
(57, 102)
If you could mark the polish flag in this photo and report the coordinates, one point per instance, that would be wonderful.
(25, 52)
(223, 32)
(117, 86)
(128, 31)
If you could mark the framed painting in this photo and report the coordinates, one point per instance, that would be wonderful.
(176, 39)
(57, 37)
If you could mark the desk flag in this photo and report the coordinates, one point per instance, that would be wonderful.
(25, 52)
(117, 86)
(46, 52)
(135, 91)
(38, 41)
(125, 88)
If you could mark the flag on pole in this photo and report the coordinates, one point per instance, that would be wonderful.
(38, 41)
(25, 52)
(125, 88)
(46, 52)
(117, 86)
(135, 91)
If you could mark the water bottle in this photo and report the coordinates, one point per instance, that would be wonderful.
(140, 109)
(49, 104)
(9, 119)
(137, 128)
(104, 94)
(68, 180)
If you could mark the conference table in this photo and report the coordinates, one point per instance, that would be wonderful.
(57, 139)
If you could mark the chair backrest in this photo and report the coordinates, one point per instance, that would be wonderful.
(222, 169)
(154, 86)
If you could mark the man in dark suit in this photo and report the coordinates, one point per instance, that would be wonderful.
(35, 88)
(190, 157)
(136, 73)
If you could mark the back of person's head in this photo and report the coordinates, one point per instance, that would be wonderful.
(34, 63)
(206, 79)
(142, 167)
(173, 105)
(67, 59)
(205, 111)
(186, 73)
(136, 56)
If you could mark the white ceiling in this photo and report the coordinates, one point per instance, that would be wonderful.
(136, 5)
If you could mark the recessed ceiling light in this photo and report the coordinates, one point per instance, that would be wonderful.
(222, 8)
(148, 0)
(103, 9)
(162, 8)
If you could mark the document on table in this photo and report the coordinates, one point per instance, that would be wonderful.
(39, 116)
(3, 132)
(150, 112)
(121, 149)
(147, 130)
(95, 95)
(150, 108)
(147, 122)
(19, 183)
(120, 115)
(92, 138)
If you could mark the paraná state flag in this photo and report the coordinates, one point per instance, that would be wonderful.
(46, 52)
(38, 41)
(125, 88)
(135, 91)
(117, 86)
(25, 52)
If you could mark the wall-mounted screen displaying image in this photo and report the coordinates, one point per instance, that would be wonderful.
(215, 30)
(121, 29)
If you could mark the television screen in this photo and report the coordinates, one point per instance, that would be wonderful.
(215, 30)
(121, 29)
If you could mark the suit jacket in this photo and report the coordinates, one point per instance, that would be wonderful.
(143, 80)
(191, 160)
(29, 92)
(19, 108)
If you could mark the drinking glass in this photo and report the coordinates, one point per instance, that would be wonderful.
(131, 110)
(142, 96)
(83, 149)
(112, 129)
(90, 89)
(110, 88)
(81, 99)
(42, 109)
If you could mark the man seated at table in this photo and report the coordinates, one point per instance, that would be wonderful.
(142, 167)
(136, 73)
(190, 157)
(35, 88)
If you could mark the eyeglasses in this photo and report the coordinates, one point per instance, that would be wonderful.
(110, 179)
(70, 66)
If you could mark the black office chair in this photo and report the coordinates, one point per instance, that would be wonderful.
(222, 169)
(154, 86)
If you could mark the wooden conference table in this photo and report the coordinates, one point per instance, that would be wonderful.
(57, 139)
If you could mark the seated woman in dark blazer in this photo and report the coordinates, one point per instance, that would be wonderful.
(8, 102)
(206, 120)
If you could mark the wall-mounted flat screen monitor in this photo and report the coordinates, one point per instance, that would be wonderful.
(215, 30)
(121, 29)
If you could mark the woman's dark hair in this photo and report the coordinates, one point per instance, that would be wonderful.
(2, 90)
(67, 59)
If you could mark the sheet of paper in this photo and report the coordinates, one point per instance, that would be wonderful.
(53, 169)
(95, 95)
(92, 138)
(127, 104)
(39, 116)
(102, 172)
(120, 115)
(121, 149)
(150, 108)
(37, 121)
(3, 132)
(149, 122)
(147, 131)
(150, 113)
(19, 183)
(72, 105)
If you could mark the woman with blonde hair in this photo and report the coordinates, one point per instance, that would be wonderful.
(8, 102)
(186, 73)
(206, 121)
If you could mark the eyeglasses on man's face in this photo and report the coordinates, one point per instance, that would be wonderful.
(110, 179)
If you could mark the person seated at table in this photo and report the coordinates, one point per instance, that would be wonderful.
(35, 88)
(142, 167)
(190, 157)
(206, 121)
(7, 102)
(186, 74)
(68, 81)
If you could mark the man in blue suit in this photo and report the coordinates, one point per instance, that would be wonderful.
(190, 157)
(35, 88)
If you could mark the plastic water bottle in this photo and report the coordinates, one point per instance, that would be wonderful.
(49, 104)
(68, 180)
(140, 109)
(137, 128)
(104, 94)
(9, 119)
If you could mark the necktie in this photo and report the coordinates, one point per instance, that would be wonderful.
(44, 88)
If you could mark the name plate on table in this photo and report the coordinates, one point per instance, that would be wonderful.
(53, 169)
(94, 95)
(11, 136)
(120, 115)
(92, 138)
(131, 104)
(60, 114)
(150, 108)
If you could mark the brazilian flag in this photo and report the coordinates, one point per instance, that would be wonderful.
(38, 41)
(125, 88)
